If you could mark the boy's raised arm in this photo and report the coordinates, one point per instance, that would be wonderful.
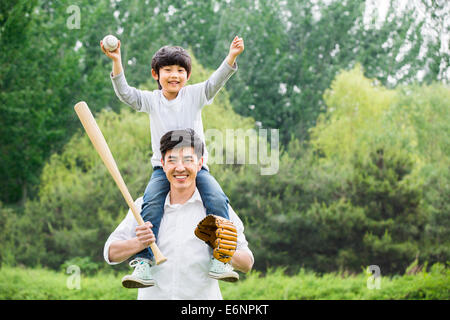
(127, 94)
(116, 57)
(236, 48)
(218, 79)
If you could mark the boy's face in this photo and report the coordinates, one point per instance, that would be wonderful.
(172, 79)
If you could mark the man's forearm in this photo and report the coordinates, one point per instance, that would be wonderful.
(242, 261)
(123, 249)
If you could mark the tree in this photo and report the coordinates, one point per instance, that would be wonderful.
(436, 27)
(368, 188)
(46, 68)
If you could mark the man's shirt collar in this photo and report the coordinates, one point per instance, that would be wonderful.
(195, 197)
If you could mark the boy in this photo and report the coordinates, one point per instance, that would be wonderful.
(174, 106)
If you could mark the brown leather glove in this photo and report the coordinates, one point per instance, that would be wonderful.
(220, 234)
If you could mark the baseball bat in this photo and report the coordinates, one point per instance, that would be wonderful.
(99, 142)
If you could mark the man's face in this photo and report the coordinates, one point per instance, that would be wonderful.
(181, 166)
(171, 78)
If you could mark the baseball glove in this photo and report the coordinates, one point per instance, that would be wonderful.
(220, 234)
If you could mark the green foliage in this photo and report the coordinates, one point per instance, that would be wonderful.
(41, 71)
(84, 263)
(7, 230)
(362, 191)
(426, 109)
(43, 284)
(293, 51)
(307, 285)
(377, 133)
(358, 119)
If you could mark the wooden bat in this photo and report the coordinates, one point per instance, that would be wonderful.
(99, 142)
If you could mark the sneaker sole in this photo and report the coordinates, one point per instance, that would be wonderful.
(132, 283)
(228, 277)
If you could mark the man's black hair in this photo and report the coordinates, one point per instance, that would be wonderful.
(171, 55)
(181, 138)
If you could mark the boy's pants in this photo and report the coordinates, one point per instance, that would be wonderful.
(214, 200)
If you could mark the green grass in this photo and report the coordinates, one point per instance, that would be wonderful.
(434, 284)
(42, 284)
(20, 284)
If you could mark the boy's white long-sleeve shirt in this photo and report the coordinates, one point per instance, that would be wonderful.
(180, 113)
(184, 276)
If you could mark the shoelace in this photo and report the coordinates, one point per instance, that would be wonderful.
(138, 265)
(134, 262)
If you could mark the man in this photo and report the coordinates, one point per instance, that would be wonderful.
(185, 274)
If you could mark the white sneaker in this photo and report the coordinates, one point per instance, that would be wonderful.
(141, 276)
(222, 271)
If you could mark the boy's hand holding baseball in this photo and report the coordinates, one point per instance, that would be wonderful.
(236, 48)
(115, 56)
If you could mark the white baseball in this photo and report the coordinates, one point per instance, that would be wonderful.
(110, 42)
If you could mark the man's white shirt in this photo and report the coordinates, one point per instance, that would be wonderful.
(185, 273)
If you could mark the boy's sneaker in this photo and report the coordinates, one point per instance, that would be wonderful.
(141, 276)
(222, 271)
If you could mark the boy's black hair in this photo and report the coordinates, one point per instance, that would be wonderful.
(181, 138)
(171, 55)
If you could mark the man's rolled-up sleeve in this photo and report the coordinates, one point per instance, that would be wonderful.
(124, 231)
(242, 243)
